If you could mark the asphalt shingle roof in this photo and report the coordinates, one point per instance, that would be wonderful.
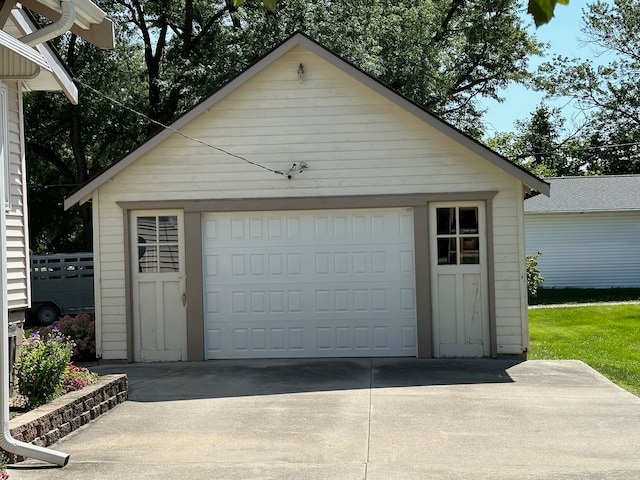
(608, 193)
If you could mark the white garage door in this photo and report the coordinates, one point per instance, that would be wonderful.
(309, 284)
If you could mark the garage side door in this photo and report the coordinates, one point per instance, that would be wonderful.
(309, 284)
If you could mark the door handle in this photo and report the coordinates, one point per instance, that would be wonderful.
(184, 299)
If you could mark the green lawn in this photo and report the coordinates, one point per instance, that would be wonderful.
(605, 337)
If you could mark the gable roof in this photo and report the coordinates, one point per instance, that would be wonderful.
(609, 193)
(534, 183)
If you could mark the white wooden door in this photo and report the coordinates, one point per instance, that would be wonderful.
(158, 284)
(459, 279)
(309, 284)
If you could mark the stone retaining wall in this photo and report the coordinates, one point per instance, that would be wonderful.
(47, 424)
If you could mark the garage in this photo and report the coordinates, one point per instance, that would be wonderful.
(341, 220)
(321, 283)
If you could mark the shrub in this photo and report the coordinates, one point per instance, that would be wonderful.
(82, 330)
(534, 279)
(76, 378)
(42, 362)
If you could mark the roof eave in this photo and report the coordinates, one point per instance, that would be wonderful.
(92, 23)
(56, 65)
(32, 57)
(579, 212)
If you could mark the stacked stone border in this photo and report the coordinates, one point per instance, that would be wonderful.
(47, 424)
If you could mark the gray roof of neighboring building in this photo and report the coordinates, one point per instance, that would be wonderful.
(609, 193)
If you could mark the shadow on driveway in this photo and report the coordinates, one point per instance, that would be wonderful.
(230, 378)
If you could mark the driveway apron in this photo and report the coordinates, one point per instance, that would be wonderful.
(373, 419)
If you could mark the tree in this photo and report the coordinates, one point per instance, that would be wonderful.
(538, 146)
(609, 95)
(186, 48)
(540, 10)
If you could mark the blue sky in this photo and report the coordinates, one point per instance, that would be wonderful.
(565, 38)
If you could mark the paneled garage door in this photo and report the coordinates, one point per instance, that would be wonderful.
(309, 284)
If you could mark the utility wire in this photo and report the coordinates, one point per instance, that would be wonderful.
(57, 185)
(299, 168)
(585, 149)
(295, 168)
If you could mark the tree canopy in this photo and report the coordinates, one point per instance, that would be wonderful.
(540, 10)
(608, 140)
(538, 144)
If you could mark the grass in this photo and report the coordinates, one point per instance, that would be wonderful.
(606, 337)
(550, 296)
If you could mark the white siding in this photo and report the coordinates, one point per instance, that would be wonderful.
(17, 245)
(508, 257)
(354, 142)
(596, 250)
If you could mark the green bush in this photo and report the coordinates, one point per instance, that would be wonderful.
(41, 365)
(534, 279)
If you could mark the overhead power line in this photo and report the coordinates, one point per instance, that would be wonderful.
(585, 149)
(295, 168)
(300, 167)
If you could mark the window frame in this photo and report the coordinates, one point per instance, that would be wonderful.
(157, 244)
(459, 238)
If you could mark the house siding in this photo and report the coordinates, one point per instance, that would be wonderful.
(589, 250)
(354, 142)
(16, 217)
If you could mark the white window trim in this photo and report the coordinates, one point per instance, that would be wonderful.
(5, 176)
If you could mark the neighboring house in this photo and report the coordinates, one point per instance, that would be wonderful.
(27, 63)
(383, 232)
(588, 231)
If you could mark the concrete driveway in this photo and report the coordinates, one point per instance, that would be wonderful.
(374, 419)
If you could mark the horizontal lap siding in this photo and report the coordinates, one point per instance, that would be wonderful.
(354, 142)
(596, 250)
(510, 297)
(17, 247)
(383, 147)
(110, 303)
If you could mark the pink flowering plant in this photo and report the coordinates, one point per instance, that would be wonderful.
(41, 365)
(76, 378)
(82, 330)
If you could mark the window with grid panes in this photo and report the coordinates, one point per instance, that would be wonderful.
(458, 236)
